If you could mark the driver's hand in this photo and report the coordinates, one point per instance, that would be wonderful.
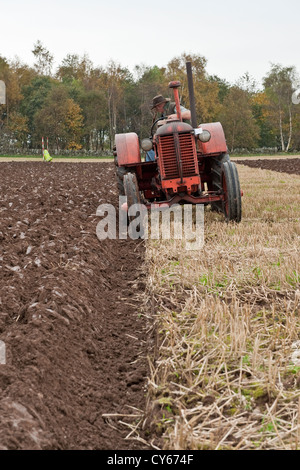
(172, 116)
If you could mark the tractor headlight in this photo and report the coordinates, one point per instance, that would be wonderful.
(146, 144)
(204, 136)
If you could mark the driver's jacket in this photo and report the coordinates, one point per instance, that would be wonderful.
(170, 108)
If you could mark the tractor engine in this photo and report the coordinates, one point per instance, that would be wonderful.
(177, 158)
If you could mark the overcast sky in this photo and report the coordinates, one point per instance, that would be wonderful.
(235, 36)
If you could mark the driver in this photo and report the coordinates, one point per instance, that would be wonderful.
(166, 108)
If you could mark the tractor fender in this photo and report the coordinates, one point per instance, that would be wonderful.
(217, 142)
(127, 148)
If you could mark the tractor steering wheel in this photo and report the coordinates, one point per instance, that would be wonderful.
(155, 122)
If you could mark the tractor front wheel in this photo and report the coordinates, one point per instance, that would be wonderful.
(232, 203)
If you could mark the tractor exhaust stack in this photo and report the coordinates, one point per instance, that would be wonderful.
(191, 94)
(175, 85)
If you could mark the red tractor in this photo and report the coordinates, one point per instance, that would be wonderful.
(191, 165)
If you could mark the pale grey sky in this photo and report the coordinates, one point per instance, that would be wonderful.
(235, 36)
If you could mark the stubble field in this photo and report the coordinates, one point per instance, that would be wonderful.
(227, 374)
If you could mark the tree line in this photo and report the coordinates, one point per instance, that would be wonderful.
(80, 106)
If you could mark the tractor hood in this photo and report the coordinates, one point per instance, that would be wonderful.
(172, 127)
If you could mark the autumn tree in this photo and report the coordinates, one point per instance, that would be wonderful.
(223, 86)
(260, 104)
(176, 70)
(13, 89)
(43, 59)
(95, 112)
(150, 81)
(206, 91)
(74, 67)
(116, 79)
(18, 125)
(20, 76)
(73, 124)
(296, 126)
(87, 85)
(60, 119)
(23, 72)
(68, 69)
(279, 85)
(236, 116)
(4, 71)
(35, 95)
(83, 105)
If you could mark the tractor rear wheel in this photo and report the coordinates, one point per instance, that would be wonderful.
(132, 193)
(232, 203)
(121, 171)
(131, 189)
(216, 171)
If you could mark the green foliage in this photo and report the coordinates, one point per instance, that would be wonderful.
(257, 272)
(223, 86)
(293, 279)
(294, 369)
(35, 95)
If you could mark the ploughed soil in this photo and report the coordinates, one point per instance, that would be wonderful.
(284, 165)
(76, 342)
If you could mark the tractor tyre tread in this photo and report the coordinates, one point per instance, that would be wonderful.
(121, 171)
(216, 170)
(234, 204)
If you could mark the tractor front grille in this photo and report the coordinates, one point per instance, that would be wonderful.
(168, 160)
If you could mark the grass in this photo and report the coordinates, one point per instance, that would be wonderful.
(62, 158)
(273, 155)
(110, 158)
(226, 371)
(55, 157)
